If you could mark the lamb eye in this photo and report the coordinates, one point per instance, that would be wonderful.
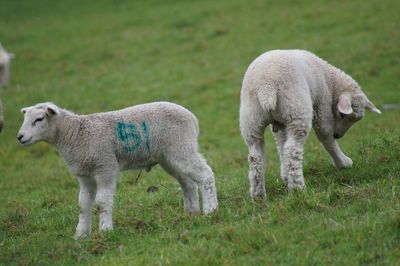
(38, 120)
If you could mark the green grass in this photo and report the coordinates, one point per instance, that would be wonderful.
(91, 57)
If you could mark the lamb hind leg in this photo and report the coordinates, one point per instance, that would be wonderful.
(293, 151)
(189, 189)
(190, 195)
(195, 170)
(204, 177)
(257, 169)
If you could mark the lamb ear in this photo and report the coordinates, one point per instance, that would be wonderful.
(371, 107)
(52, 109)
(344, 104)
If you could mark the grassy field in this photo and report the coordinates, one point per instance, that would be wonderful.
(98, 56)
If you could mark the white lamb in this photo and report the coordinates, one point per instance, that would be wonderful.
(294, 90)
(96, 147)
(5, 59)
(1, 116)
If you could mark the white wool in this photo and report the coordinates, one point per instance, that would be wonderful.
(96, 147)
(5, 59)
(294, 90)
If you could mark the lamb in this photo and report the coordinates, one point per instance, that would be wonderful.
(5, 59)
(294, 90)
(1, 116)
(96, 147)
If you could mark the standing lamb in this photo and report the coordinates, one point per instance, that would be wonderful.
(294, 90)
(96, 147)
(5, 59)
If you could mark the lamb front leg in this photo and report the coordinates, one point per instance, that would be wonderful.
(280, 139)
(324, 129)
(106, 184)
(86, 196)
(339, 158)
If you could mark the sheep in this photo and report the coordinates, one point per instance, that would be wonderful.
(292, 91)
(97, 146)
(5, 59)
(1, 116)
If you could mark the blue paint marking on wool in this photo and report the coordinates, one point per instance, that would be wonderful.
(130, 137)
(146, 134)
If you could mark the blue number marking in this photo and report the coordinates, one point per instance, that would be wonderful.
(130, 137)
(146, 134)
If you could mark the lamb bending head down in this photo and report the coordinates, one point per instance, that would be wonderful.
(350, 109)
(294, 91)
(96, 147)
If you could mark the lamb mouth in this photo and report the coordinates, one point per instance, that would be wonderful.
(26, 141)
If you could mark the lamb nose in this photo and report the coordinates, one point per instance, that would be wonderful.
(20, 136)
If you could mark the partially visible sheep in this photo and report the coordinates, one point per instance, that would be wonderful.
(1, 116)
(96, 147)
(294, 90)
(5, 59)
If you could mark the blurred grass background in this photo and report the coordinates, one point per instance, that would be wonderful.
(99, 56)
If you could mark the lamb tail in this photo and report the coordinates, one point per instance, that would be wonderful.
(267, 97)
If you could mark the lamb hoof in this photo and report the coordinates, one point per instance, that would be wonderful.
(106, 227)
(344, 163)
(296, 186)
(258, 197)
(284, 179)
(210, 210)
(81, 235)
(258, 193)
(194, 213)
